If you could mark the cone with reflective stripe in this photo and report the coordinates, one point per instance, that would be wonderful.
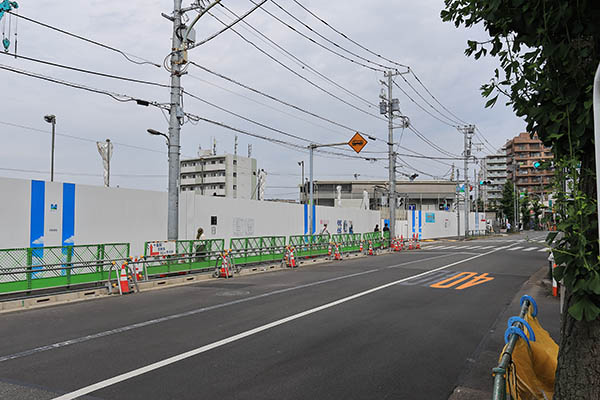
(338, 255)
(123, 281)
(370, 248)
(292, 258)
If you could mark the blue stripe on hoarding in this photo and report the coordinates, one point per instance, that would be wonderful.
(420, 221)
(36, 224)
(413, 221)
(36, 227)
(314, 222)
(305, 218)
(68, 215)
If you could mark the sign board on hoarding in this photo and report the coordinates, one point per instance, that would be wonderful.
(161, 248)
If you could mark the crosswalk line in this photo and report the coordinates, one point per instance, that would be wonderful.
(531, 248)
(543, 249)
(461, 247)
(486, 247)
(515, 248)
(444, 247)
(434, 247)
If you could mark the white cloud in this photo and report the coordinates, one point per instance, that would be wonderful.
(39, 240)
(407, 31)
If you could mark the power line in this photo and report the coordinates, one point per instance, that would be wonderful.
(87, 71)
(298, 74)
(429, 142)
(123, 53)
(82, 173)
(346, 36)
(81, 138)
(323, 37)
(421, 107)
(119, 97)
(427, 102)
(285, 103)
(434, 98)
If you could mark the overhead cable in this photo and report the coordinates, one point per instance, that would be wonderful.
(283, 102)
(348, 38)
(87, 71)
(301, 76)
(119, 97)
(434, 98)
(128, 56)
(320, 44)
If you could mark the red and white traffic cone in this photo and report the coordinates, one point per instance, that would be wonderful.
(123, 281)
(371, 248)
(338, 255)
(361, 246)
(329, 250)
(410, 243)
(419, 242)
(292, 258)
(286, 258)
(401, 242)
(554, 283)
(224, 271)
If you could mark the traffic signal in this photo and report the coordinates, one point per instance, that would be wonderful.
(485, 182)
(537, 164)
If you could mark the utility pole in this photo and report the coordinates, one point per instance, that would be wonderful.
(388, 106)
(457, 202)
(107, 162)
(175, 118)
(468, 131)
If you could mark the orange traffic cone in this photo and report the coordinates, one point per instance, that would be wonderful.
(123, 281)
(371, 248)
(329, 250)
(419, 242)
(292, 258)
(338, 255)
(361, 246)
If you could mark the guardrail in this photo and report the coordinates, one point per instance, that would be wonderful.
(32, 269)
(528, 373)
(27, 269)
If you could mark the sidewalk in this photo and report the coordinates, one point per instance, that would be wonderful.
(475, 381)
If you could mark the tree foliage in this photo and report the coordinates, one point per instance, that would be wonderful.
(548, 52)
(507, 203)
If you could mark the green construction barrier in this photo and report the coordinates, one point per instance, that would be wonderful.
(310, 246)
(251, 250)
(375, 238)
(349, 241)
(190, 255)
(28, 269)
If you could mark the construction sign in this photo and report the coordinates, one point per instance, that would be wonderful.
(357, 142)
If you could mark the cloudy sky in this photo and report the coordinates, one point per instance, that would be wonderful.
(407, 32)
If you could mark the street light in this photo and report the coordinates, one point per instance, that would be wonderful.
(157, 133)
(51, 119)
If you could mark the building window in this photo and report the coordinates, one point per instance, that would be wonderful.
(234, 162)
(235, 174)
(221, 186)
(234, 187)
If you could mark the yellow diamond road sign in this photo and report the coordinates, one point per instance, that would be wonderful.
(357, 142)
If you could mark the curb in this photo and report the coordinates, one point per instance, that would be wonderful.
(145, 286)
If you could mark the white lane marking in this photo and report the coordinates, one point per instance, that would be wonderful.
(444, 247)
(515, 248)
(461, 247)
(473, 247)
(544, 249)
(486, 247)
(171, 360)
(190, 313)
(531, 248)
(433, 247)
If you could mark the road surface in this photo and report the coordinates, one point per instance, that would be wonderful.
(396, 326)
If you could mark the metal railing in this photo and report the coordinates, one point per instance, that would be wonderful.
(511, 337)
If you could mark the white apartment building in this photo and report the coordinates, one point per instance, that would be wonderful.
(495, 172)
(225, 175)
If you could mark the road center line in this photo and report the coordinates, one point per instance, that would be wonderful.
(142, 324)
(171, 360)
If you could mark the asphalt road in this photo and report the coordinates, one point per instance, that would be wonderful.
(397, 326)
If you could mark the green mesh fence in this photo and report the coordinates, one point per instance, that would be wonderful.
(257, 249)
(27, 269)
(375, 238)
(310, 246)
(189, 255)
(350, 242)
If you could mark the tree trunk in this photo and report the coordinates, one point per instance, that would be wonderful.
(578, 371)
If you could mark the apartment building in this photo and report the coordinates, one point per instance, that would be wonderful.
(225, 175)
(522, 153)
(494, 172)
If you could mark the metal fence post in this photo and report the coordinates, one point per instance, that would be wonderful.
(29, 266)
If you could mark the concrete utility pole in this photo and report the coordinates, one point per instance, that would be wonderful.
(468, 131)
(388, 106)
(457, 202)
(175, 117)
(51, 119)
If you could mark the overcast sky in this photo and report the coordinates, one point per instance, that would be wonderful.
(409, 32)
